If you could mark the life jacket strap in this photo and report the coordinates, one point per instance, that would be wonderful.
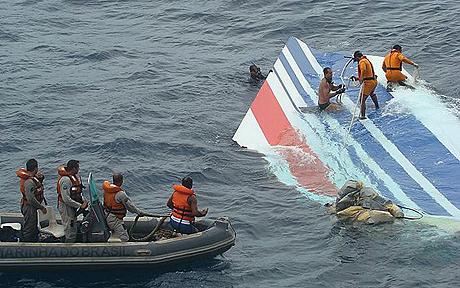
(368, 78)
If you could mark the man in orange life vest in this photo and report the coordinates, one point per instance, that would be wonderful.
(70, 198)
(116, 204)
(368, 80)
(392, 65)
(185, 207)
(31, 188)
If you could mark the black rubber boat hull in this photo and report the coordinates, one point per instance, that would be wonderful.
(218, 237)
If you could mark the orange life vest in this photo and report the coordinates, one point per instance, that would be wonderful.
(392, 61)
(75, 190)
(368, 74)
(182, 210)
(23, 174)
(110, 190)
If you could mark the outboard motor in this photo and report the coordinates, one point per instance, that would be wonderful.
(94, 226)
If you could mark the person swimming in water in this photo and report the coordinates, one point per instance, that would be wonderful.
(256, 74)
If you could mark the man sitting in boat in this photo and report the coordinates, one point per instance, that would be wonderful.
(184, 204)
(116, 204)
(325, 87)
(31, 188)
(355, 202)
(70, 198)
(392, 65)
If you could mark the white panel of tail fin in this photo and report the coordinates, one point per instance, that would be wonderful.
(380, 160)
(392, 149)
(373, 166)
(250, 135)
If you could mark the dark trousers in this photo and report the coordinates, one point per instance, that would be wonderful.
(29, 229)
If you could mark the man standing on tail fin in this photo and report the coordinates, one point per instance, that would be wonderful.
(325, 87)
(392, 65)
(368, 80)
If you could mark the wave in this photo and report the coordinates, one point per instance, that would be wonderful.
(100, 56)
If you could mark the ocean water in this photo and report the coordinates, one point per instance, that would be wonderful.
(156, 90)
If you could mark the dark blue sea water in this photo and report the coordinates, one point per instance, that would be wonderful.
(156, 89)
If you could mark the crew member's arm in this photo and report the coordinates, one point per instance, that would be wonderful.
(362, 69)
(30, 188)
(82, 187)
(123, 198)
(339, 89)
(335, 87)
(194, 205)
(261, 76)
(384, 66)
(66, 185)
(406, 60)
(170, 203)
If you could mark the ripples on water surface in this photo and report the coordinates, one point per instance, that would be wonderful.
(156, 89)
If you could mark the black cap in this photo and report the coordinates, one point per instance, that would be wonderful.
(72, 164)
(357, 55)
(31, 165)
(397, 47)
(187, 182)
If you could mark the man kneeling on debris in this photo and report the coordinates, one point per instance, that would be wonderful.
(355, 202)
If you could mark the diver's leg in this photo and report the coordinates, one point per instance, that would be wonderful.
(69, 220)
(404, 83)
(118, 227)
(374, 99)
(362, 113)
(30, 229)
(332, 107)
(390, 86)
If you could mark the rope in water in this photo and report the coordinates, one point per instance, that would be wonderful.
(413, 210)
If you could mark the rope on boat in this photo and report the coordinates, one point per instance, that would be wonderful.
(149, 236)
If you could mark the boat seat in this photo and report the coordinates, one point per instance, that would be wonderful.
(15, 226)
(47, 223)
(114, 238)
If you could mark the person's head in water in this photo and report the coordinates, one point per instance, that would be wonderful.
(397, 48)
(357, 55)
(187, 182)
(328, 74)
(254, 70)
(117, 178)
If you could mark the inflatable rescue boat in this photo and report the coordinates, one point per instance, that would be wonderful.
(153, 242)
